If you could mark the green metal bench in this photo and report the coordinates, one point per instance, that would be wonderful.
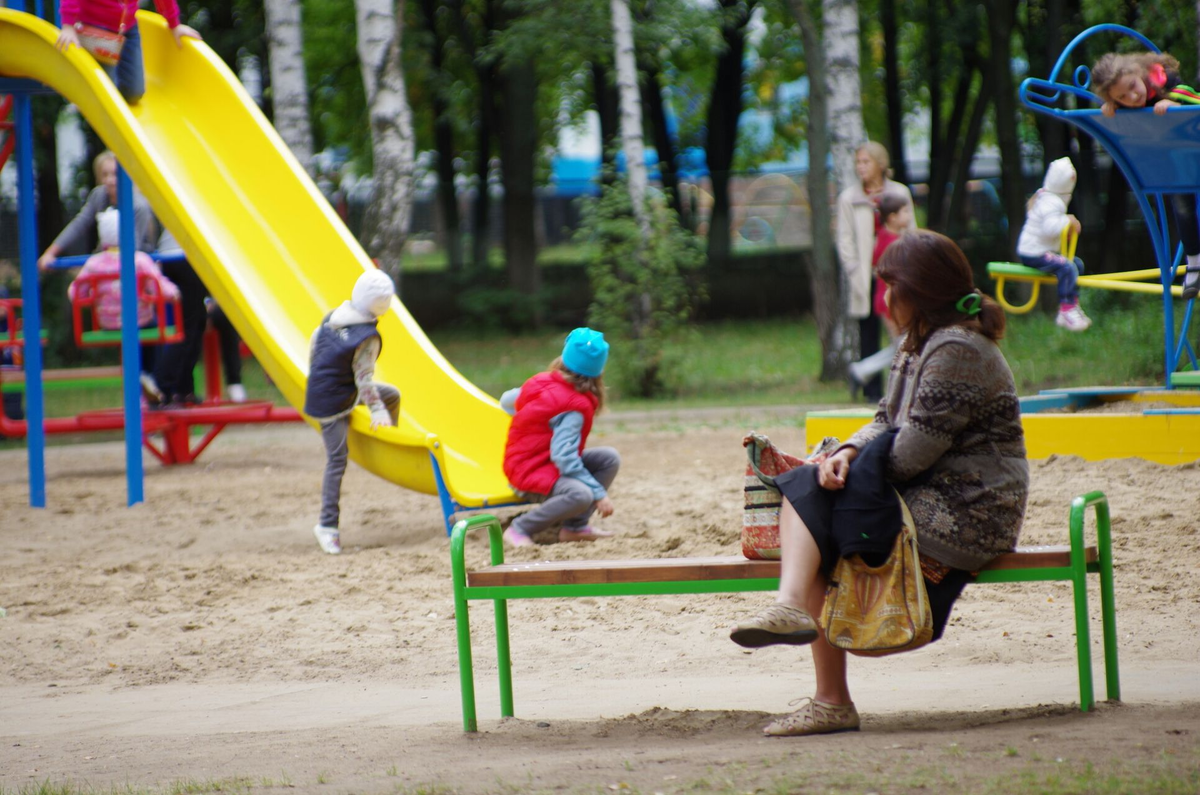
(725, 574)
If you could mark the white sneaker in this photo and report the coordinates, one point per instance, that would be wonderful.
(329, 539)
(237, 393)
(150, 390)
(1073, 319)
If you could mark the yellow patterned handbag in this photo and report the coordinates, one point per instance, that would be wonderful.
(883, 610)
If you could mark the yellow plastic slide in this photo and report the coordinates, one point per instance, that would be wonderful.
(267, 244)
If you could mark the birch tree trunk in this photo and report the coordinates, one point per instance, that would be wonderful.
(631, 112)
(824, 275)
(846, 129)
(380, 25)
(289, 87)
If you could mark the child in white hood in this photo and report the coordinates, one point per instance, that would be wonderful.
(341, 375)
(1041, 238)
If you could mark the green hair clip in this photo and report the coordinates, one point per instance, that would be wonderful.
(970, 304)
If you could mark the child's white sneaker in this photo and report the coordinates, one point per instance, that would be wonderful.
(1072, 319)
(329, 539)
(237, 393)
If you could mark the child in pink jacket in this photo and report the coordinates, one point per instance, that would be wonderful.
(107, 262)
(108, 29)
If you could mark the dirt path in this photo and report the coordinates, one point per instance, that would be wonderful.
(203, 637)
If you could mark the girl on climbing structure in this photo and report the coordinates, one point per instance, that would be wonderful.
(1139, 80)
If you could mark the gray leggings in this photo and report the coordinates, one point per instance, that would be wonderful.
(334, 434)
(570, 501)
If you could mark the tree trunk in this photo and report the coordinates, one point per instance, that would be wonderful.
(518, 150)
(962, 163)
(891, 88)
(846, 129)
(631, 112)
(824, 274)
(289, 88)
(933, 46)
(724, 109)
(443, 141)
(1002, 17)
(51, 215)
(608, 110)
(652, 100)
(380, 27)
(945, 142)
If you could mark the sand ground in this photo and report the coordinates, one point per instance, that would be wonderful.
(202, 637)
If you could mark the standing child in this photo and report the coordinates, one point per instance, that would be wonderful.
(340, 376)
(107, 262)
(108, 29)
(896, 218)
(1136, 80)
(545, 458)
(1046, 217)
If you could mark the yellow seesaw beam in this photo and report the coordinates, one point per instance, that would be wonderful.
(1125, 281)
(267, 244)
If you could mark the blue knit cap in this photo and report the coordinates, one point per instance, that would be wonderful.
(585, 352)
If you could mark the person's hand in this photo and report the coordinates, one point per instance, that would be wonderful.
(380, 418)
(180, 32)
(831, 474)
(1109, 109)
(46, 260)
(1161, 106)
(66, 37)
(1073, 224)
(604, 506)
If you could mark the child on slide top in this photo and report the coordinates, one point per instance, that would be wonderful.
(1038, 246)
(545, 458)
(1138, 80)
(341, 375)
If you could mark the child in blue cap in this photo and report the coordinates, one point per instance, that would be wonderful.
(545, 459)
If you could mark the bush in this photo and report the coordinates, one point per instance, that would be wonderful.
(642, 291)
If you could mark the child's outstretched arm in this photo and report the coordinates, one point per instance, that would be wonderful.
(566, 433)
(363, 366)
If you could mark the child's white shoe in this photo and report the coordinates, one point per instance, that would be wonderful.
(237, 393)
(1072, 319)
(329, 539)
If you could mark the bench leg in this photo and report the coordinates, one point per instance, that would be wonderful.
(1083, 643)
(504, 659)
(462, 625)
(1108, 607)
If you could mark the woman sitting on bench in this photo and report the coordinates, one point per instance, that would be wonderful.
(948, 437)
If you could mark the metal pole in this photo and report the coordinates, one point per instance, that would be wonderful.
(31, 302)
(131, 358)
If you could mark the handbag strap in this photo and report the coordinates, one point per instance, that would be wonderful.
(755, 444)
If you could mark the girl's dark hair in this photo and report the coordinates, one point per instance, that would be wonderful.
(929, 273)
(582, 383)
(890, 204)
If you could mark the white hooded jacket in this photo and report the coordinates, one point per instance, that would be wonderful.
(1047, 215)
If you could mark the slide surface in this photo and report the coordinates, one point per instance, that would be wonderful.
(267, 244)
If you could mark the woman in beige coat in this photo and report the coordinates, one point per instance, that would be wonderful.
(857, 215)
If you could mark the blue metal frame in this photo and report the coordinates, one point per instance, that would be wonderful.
(31, 305)
(1158, 156)
(451, 507)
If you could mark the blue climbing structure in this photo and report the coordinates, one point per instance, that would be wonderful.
(1159, 156)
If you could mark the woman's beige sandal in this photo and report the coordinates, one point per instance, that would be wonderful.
(776, 624)
(815, 717)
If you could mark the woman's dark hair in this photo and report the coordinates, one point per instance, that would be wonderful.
(929, 273)
(890, 204)
(582, 383)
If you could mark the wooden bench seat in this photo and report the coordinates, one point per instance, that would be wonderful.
(502, 581)
(720, 567)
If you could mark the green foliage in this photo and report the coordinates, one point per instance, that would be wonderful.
(337, 102)
(641, 288)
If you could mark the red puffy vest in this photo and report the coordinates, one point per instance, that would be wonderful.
(527, 463)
